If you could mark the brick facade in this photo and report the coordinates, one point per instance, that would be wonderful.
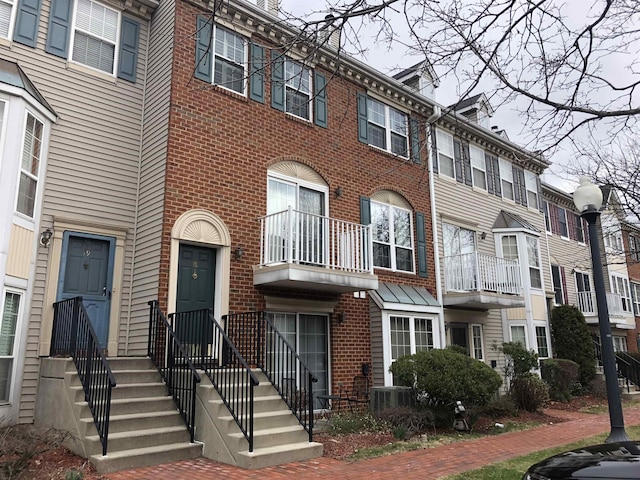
(220, 147)
(633, 268)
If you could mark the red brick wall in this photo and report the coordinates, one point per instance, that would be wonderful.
(220, 146)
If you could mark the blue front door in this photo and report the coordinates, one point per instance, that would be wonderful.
(86, 270)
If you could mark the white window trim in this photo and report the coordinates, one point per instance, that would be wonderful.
(531, 186)
(519, 324)
(530, 266)
(386, 336)
(17, 349)
(626, 287)
(506, 175)
(387, 127)
(635, 296)
(116, 44)
(473, 341)
(566, 222)
(245, 60)
(547, 218)
(298, 182)
(309, 71)
(392, 244)
(553, 283)
(12, 18)
(547, 336)
(30, 218)
(441, 135)
(478, 163)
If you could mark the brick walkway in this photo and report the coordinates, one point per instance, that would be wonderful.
(430, 463)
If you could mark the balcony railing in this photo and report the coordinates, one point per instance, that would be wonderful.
(615, 304)
(472, 272)
(292, 236)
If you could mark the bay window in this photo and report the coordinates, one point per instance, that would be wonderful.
(32, 150)
(534, 262)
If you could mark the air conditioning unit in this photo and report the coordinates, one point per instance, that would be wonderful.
(382, 398)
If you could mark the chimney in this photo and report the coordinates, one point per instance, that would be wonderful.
(333, 32)
(273, 6)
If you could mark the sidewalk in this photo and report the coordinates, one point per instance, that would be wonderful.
(431, 463)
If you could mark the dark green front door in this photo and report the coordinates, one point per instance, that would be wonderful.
(196, 278)
(196, 291)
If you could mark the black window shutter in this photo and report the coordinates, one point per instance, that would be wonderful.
(204, 49)
(277, 80)
(466, 158)
(422, 245)
(434, 149)
(496, 176)
(488, 164)
(320, 110)
(128, 61)
(457, 154)
(363, 122)
(416, 148)
(365, 210)
(59, 28)
(256, 74)
(27, 20)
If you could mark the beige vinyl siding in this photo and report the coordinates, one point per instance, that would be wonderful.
(93, 164)
(377, 342)
(151, 203)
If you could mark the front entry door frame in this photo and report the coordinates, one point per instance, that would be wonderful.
(108, 284)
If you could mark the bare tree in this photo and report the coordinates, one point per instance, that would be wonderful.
(571, 64)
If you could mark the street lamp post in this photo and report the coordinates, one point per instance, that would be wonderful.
(588, 200)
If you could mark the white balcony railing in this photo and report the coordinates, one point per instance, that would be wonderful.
(480, 272)
(615, 304)
(292, 236)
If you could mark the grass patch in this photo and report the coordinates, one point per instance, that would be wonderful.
(599, 409)
(514, 469)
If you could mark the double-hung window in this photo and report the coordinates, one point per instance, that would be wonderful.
(95, 34)
(510, 247)
(8, 325)
(558, 287)
(562, 222)
(476, 338)
(547, 220)
(6, 17)
(534, 262)
(579, 230)
(541, 340)
(298, 89)
(392, 237)
(531, 184)
(30, 165)
(634, 247)
(506, 176)
(478, 166)
(518, 334)
(230, 60)
(620, 285)
(410, 335)
(635, 293)
(444, 142)
(387, 128)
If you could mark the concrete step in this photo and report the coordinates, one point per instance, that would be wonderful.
(124, 377)
(132, 439)
(133, 390)
(631, 395)
(270, 456)
(144, 457)
(263, 421)
(134, 422)
(132, 405)
(130, 363)
(269, 437)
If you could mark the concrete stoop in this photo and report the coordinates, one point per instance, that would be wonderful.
(146, 429)
(278, 436)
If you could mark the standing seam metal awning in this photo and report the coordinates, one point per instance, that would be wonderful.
(392, 296)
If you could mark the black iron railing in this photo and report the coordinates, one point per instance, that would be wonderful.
(260, 343)
(629, 368)
(74, 336)
(175, 365)
(230, 375)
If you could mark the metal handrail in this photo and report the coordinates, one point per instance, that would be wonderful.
(221, 361)
(629, 367)
(174, 364)
(74, 336)
(260, 342)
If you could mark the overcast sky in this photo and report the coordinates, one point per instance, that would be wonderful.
(389, 59)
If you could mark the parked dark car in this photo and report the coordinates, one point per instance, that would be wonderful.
(613, 461)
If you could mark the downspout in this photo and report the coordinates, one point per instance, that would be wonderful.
(136, 215)
(437, 113)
